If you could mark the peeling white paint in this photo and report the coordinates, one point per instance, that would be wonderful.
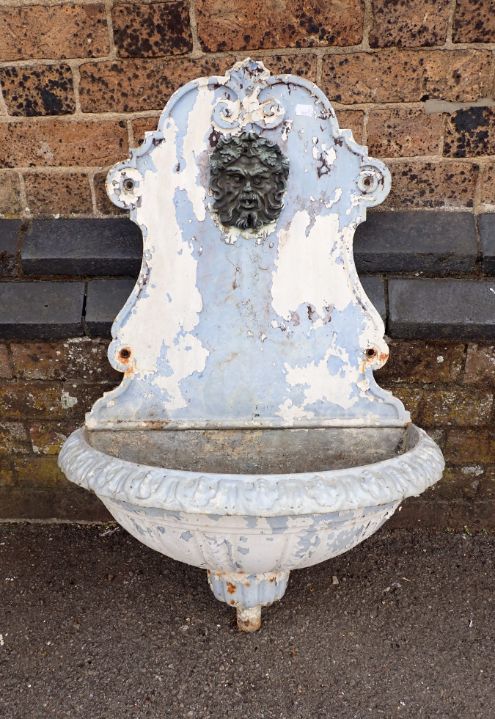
(310, 249)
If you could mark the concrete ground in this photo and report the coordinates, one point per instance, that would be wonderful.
(95, 625)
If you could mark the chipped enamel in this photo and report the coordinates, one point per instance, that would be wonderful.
(230, 328)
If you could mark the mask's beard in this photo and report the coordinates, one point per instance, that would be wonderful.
(249, 210)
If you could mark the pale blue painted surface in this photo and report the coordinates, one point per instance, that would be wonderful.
(226, 338)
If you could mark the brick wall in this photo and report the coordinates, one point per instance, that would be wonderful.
(82, 81)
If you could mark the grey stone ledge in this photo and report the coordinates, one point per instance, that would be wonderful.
(88, 247)
(9, 237)
(105, 299)
(486, 224)
(442, 308)
(41, 310)
(415, 241)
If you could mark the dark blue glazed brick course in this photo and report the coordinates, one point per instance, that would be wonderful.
(9, 238)
(105, 299)
(487, 239)
(41, 310)
(434, 242)
(435, 308)
(88, 247)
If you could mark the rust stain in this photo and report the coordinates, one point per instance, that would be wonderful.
(231, 588)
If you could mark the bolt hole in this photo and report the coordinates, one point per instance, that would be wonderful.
(124, 354)
(370, 352)
(367, 181)
(128, 184)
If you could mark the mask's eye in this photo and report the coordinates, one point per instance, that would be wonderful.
(258, 180)
(236, 179)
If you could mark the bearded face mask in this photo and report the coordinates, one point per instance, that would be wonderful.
(248, 180)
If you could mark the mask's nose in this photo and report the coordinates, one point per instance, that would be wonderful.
(247, 185)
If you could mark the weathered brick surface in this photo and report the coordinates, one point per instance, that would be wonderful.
(246, 25)
(103, 204)
(5, 365)
(487, 185)
(47, 191)
(13, 439)
(48, 437)
(134, 85)
(409, 23)
(53, 31)
(404, 133)
(152, 30)
(38, 90)
(417, 183)
(471, 446)
(39, 472)
(352, 120)
(474, 21)
(56, 400)
(407, 75)
(423, 362)
(457, 407)
(10, 194)
(480, 364)
(79, 358)
(470, 133)
(62, 142)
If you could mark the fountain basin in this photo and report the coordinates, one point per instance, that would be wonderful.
(250, 505)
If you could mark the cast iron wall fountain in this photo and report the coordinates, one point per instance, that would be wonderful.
(248, 436)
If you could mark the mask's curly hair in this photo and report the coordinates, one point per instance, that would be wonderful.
(227, 151)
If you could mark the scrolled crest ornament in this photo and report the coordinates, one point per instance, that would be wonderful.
(248, 178)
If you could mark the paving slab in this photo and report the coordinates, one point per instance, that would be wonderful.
(94, 624)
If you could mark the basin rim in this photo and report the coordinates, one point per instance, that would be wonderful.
(261, 495)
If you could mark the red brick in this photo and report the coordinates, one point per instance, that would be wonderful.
(141, 125)
(352, 120)
(480, 365)
(250, 24)
(423, 362)
(418, 183)
(134, 85)
(474, 21)
(38, 90)
(10, 194)
(409, 23)
(5, 367)
(54, 193)
(407, 75)
(62, 142)
(456, 407)
(80, 358)
(470, 446)
(56, 31)
(103, 202)
(487, 185)
(152, 30)
(404, 132)
(470, 133)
